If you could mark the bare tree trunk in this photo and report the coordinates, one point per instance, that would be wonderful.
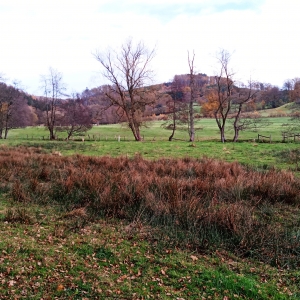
(6, 132)
(70, 134)
(193, 96)
(236, 135)
(174, 124)
(135, 130)
(192, 126)
(7, 117)
(223, 138)
(52, 135)
(221, 125)
(235, 123)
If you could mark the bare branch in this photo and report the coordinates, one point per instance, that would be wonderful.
(128, 72)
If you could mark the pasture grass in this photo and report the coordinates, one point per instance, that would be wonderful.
(103, 140)
(84, 227)
(51, 257)
(206, 129)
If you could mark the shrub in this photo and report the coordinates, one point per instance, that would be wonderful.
(200, 203)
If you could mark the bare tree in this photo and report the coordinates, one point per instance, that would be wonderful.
(224, 91)
(7, 96)
(14, 110)
(53, 88)
(175, 105)
(249, 122)
(191, 125)
(76, 118)
(128, 73)
(243, 95)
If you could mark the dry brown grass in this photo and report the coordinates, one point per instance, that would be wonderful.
(221, 203)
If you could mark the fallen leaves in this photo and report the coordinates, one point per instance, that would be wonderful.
(194, 258)
(60, 288)
(11, 283)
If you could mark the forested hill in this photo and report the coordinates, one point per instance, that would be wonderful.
(21, 109)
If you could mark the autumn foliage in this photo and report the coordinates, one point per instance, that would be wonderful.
(211, 105)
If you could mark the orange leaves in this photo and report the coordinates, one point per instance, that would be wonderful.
(208, 108)
(60, 288)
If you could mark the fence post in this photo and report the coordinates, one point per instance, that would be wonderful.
(270, 138)
(258, 137)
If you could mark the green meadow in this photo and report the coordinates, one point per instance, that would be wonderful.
(206, 129)
(103, 141)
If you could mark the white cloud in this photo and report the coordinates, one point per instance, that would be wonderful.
(37, 34)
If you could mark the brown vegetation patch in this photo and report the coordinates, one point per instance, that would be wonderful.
(216, 203)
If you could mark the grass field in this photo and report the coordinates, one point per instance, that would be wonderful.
(74, 227)
(102, 140)
(52, 258)
(206, 130)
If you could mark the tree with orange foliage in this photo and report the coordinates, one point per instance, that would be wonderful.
(211, 105)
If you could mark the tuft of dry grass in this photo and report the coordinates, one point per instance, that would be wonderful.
(213, 203)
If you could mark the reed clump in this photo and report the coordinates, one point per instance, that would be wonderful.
(201, 203)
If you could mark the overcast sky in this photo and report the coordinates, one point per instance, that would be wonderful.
(37, 34)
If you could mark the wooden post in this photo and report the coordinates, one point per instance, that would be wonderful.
(258, 137)
(119, 138)
(270, 138)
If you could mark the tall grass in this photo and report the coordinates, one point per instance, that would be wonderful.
(203, 204)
